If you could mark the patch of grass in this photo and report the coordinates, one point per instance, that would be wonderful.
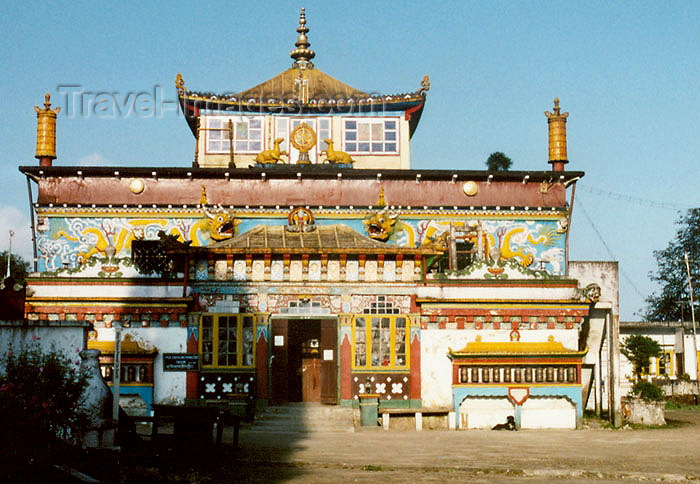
(592, 421)
(670, 424)
(372, 468)
(675, 405)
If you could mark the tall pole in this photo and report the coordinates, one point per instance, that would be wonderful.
(9, 255)
(116, 372)
(692, 315)
(31, 220)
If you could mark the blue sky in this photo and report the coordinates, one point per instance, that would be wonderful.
(627, 72)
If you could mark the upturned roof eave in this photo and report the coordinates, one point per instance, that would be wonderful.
(397, 102)
(291, 172)
(301, 250)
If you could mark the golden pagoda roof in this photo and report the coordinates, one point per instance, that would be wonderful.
(286, 86)
(515, 348)
(302, 88)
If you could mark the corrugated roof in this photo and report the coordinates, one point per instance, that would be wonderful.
(323, 237)
(512, 348)
(129, 346)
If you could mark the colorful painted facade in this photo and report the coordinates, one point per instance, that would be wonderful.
(302, 259)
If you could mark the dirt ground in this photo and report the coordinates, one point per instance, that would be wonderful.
(593, 454)
(670, 454)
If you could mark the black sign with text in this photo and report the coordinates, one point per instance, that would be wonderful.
(180, 362)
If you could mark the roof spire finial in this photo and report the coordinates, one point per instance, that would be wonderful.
(302, 55)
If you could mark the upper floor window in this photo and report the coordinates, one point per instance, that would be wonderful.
(363, 135)
(226, 340)
(246, 132)
(320, 126)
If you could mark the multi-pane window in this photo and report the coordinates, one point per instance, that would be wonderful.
(664, 364)
(371, 135)
(324, 132)
(246, 132)
(381, 340)
(227, 340)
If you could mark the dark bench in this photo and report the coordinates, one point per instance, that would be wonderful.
(193, 425)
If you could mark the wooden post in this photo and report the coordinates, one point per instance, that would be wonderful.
(231, 164)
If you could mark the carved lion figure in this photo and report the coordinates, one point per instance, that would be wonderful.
(591, 293)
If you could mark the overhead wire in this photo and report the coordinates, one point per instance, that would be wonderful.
(636, 200)
(607, 248)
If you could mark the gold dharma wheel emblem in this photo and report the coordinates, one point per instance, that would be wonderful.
(303, 138)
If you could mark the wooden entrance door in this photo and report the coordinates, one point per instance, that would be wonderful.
(279, 381)
(304, 361)
(310, 363)
(329, 361)
(311, 380)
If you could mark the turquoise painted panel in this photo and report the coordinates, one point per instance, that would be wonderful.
(535, 244)
(262, 331)
(145, 392)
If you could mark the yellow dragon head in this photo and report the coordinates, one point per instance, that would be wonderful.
(221, 225)
(380, 225)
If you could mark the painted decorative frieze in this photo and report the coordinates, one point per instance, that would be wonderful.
(535, 242)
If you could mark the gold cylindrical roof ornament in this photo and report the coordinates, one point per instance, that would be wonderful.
(557, 137)
(46, 132)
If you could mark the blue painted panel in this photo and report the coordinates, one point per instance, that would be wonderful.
(145, 392)
(536, 244)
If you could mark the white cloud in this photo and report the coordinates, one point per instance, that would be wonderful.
(92, 159)
(17, 220)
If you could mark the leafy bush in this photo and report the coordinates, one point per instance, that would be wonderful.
(648, 391)
(40, 403)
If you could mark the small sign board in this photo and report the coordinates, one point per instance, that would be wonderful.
(180, 362)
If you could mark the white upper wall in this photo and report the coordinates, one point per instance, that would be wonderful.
(379, 142)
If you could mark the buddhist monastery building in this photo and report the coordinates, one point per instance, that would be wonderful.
(300, 258)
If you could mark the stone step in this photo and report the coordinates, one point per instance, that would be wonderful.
(304, 418)
(301, 427)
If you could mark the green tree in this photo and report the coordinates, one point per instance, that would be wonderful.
(498, 161)
(41, 403)
(672, 302)
(639, 350)
(18, 267)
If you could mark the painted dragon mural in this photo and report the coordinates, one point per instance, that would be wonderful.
(537, 245)
(73, 241)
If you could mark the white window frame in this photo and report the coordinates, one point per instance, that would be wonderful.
(322, 126)
(375, 145)
(217, 134)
